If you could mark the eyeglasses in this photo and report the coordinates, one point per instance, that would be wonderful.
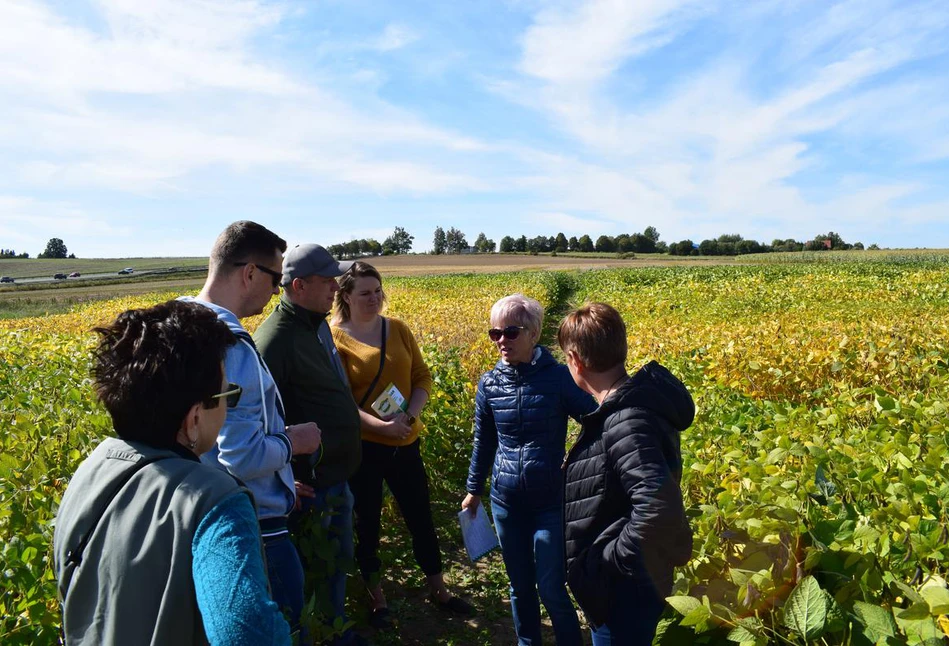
(511, 332)
(231, 396)
(275, 276)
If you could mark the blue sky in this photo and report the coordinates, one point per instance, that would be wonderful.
(141, 128)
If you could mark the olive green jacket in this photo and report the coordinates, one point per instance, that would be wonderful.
(298, 348)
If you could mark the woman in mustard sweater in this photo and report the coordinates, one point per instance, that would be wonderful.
(378, 352)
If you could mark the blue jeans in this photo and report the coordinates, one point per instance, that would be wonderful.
(286, 577)
(633, 618)
(532, 545)
(336, 504)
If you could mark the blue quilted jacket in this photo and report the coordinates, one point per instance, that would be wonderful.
(521, 429)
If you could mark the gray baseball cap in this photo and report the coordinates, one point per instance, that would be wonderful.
(311, 260)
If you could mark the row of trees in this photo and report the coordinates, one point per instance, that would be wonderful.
(55, 248)
(735, 245)
(453, 241)
(398, 243)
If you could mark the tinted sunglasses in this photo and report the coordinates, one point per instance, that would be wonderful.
(275, 276)
(231, 396)
(511, 332)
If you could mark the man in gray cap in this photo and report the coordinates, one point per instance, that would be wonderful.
(297, 345)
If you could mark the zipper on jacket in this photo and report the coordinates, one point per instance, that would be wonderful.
(522, 484)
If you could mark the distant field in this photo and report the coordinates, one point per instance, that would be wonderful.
(875, 255)
(45, 267)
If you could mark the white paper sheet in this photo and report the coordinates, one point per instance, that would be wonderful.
(477, 532)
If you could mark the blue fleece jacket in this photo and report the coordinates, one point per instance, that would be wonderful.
(229, 579)
(252, 444)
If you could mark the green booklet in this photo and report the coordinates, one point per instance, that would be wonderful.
(389, 402)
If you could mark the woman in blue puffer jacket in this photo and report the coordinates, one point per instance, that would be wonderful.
(521, 411)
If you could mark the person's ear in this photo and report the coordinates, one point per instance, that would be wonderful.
(188, 431)
(574, 359)
(247, 273)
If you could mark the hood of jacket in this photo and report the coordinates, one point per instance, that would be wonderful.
(654, 388)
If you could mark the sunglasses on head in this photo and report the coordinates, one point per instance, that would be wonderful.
(511, 332)
(231, 396)
(275, 276)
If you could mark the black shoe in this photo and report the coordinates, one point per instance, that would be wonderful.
(380, 618)
(454, 605)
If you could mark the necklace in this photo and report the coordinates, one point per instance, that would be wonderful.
(613, 385)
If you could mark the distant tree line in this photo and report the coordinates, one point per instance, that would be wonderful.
(454, 241)
(734, 245)
(399, 242)
(10, 253)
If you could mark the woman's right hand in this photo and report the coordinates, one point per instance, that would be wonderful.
(471, 503)
(396, 428)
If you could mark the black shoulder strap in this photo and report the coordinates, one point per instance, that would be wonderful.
(382, 362)
(74, 556)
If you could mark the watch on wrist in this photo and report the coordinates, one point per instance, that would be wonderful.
(411, 420)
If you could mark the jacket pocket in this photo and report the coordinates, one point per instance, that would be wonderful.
(592, 586)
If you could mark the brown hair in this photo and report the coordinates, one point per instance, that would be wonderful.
(347, 282)
(597, 334)
(244, 241)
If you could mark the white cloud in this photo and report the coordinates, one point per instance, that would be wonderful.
(585, 43)
(715, 150)
(395, 37)
(171, 88)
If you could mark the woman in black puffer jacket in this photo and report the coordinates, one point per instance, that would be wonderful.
(626, 527)
(521, 411)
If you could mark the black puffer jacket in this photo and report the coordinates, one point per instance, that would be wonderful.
(521, 428)
(624, 514)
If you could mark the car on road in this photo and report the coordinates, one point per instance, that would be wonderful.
(59, 276)
(75, 274)
(127, 270)
(6, 279)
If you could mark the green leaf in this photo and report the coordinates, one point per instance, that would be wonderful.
(878, 623)
(938, 599)
(915, 611)
(806, 610)
(698, 618)
(741, 634)
(684, 604)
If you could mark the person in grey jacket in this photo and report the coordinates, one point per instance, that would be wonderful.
(626, 527)
(151, 546)
(521, 411)
(255, 445)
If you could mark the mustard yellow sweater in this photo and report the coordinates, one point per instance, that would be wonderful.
(404, 367)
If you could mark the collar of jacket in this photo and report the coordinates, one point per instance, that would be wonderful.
(311, 318)
(541, 358)
(652, 387)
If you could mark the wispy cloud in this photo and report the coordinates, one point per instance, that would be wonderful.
(169, 88)
(718, 142)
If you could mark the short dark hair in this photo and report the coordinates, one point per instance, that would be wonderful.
(152, 365)
(244, 241)
(347, 282)
(597, 334)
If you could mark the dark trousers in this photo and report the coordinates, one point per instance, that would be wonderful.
(402, 470)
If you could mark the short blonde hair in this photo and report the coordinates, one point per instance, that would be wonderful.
(597, 334)
(521, 310)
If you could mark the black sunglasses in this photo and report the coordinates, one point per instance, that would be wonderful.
(510, 332)
(231, 396)
(275, 276)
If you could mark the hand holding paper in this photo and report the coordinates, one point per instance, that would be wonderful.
(477, 533)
